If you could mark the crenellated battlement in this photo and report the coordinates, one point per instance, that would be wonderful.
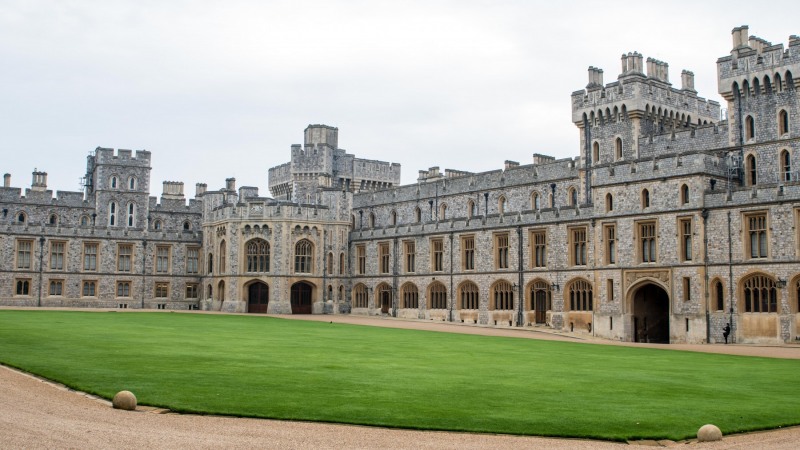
(122, 157)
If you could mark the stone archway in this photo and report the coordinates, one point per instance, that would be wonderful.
(650, 311)
(301, 297)
(257, 297)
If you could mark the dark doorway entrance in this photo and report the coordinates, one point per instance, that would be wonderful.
(651, 315)
(385, 298)
(301, 298)
(257, 298)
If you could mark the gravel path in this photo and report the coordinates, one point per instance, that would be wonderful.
(38, 414)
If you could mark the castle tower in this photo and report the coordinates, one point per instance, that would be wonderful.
(119, 185)
(758, 80)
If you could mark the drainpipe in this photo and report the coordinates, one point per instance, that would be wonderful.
(730, 277)
(41, 258)
(144, 258)
(452, 294)
(485, 205)
(520, 287)
(394, 278)
(704, 215)
(324, 273)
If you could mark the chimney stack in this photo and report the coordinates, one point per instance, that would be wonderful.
(7, 180)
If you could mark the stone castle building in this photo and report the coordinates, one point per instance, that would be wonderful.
(673, 220)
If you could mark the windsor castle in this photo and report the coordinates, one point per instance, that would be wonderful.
(673, 221)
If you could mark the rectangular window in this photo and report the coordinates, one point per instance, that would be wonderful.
(162, 258)
(501, 250)
(468, 252)
(89, 289)
(411, 256)
(756, 235)
(647, 242)
(383, 255)
(192, 260)
(57, 255)
(687, 289)
(90, 257)
(610, 232)
(23, 287)
(437, 255)
(162, 290)
(577, 246)
(685, 230)
(124, 257)
(539, 248)
(610, 289)
(56, 287)
(123, 288)
(361, 259)
(192, 290)
(24, 249)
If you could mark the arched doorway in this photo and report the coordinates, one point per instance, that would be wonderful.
(257, 298)
(384, 298)
(651, 314)
(301, 298)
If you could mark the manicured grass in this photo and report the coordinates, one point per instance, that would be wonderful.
(286, 369)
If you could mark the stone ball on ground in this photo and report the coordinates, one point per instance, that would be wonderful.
(708, 433)
(124, 400)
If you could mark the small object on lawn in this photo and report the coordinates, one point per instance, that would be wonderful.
(124, 400)
(708, 433)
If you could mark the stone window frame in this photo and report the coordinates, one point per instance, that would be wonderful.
(23, 254)
(89, 288)
(417, 214)
(393, 218)
(161, 289)
(785, 165)
(714, 293)
(646, 238)
(125, 257)
(783, 123)
(468, 252)
(113, 212)
(645, 198)
(572, 196)
(750, 169)
(360, 296)
(163, 259)
(192, 259)
(55, 287)
(501, 204)
(304, 256)
(342, 263)
(502, 250)
(686, 283)
(192, 291)
(536, 286)
(89, 259)
(536, 201)
(470, 209)
(123, 289)
(437, 254)
(329, 269)
(502, 296)
(58, 255)
(759, 235)
(384, 258)
(410, 256)
(618, 149)
(759, 294)
(537, 238)
(22, 287)
(610, 297)
(610, 243)
(749, 128)
(409, 296)
(685, 227)
(442, 211)
(595, 152)
(468, 295)
(609, 202)
(221, 262)
(361, 259)
(684, 194)
(437, 295)
(578, 245)
(257, 256)
(580, 293)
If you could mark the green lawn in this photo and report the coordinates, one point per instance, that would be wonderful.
(287, 369)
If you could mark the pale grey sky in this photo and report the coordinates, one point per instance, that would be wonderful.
(220, 89)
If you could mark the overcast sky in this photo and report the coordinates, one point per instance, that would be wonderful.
(221, 89)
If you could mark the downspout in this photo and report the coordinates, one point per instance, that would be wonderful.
(520, 287)
(394, 278)
(452, 293)
(730, 277)
(324, 273)
(41, 267)
(704, 215)
(144, 259)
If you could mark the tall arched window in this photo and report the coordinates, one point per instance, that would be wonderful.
(443, 211)
(210, 265)
(417, 215)
(760, 294)
(684, 194)
(437, 296)
(580, 296)
(718, 293)
(341, 263)
(132, 183)
(503, 296)
(501, 205)
(468, 293)
(330, 263)
(410, 296)
(618, 148)
(535, 201)
(572, 196)
(645, 198)
(360, 297)
(596, 152)
(751, 171)
(222, 250)
(112, 214)
(470, 209)
(371, 220)
(749, 128)
(303, 252)
(221, 291)
(113, 182)
(131, 214)
(783, 122)
(786, 165)
(609, 202)
(393, 218)
(257, 256)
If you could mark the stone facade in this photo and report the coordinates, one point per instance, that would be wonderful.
(675, 219)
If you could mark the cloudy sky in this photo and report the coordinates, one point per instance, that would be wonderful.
(221, 89)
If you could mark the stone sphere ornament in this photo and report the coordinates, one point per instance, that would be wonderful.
(124, 400)
(709, 433)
